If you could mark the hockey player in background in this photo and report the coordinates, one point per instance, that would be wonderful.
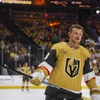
(25, 80)
(66, 64)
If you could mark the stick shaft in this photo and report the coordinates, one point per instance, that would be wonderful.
(16, 71)
(44, 82)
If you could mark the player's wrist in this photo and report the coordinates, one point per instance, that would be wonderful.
(94, 90)
(95, 94)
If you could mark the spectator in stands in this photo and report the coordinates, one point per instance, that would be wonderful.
(19, 68)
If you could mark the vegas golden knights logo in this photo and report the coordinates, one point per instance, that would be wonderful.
(72, 67)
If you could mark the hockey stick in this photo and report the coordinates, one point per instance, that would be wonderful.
(44, 82)
(18, 72)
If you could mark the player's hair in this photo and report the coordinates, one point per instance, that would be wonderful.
(25, 63)
(76, 26)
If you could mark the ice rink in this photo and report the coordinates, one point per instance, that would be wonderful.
(10, 89)
(33, 94)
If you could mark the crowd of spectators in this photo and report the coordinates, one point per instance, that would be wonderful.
(94, 23)
(44, 31)
(12, 52)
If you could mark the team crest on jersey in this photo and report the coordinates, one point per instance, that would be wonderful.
(72, 67)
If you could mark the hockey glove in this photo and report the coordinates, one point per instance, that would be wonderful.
(95, 94)
(38, 77)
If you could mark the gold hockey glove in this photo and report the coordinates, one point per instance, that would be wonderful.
(38, 77)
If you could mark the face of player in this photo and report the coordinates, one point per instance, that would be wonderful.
(26, 64)
(76, 35)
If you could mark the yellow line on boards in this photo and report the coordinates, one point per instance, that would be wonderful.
(32, 87)
(19, 87)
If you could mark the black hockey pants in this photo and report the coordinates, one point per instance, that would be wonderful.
(58, 98)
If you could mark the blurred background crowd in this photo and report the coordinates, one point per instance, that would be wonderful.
(26, 35)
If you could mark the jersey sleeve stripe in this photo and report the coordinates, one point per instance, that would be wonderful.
(89, 76)
(45, 70)
(46, 65)
(88, 80)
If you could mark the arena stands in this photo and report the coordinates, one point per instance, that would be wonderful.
(35, 31)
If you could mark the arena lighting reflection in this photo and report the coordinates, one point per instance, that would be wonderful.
(56, 2)
(17, 1)
(39, 2)
(35, 2)
(98, 11)
(91, 4)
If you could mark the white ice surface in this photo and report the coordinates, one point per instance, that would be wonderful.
(33, 94)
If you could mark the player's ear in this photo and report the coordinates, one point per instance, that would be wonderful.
(69, 34)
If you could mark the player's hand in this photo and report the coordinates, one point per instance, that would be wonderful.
(95, 94)
(38, 77)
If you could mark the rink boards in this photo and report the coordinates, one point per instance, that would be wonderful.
(15, 82)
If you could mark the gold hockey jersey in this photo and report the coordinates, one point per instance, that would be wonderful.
(67, 66)
(26, 70)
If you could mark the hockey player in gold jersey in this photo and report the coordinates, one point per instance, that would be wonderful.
(26, 70)
(66, 64)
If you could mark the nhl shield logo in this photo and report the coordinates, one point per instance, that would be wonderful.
(72, 67)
